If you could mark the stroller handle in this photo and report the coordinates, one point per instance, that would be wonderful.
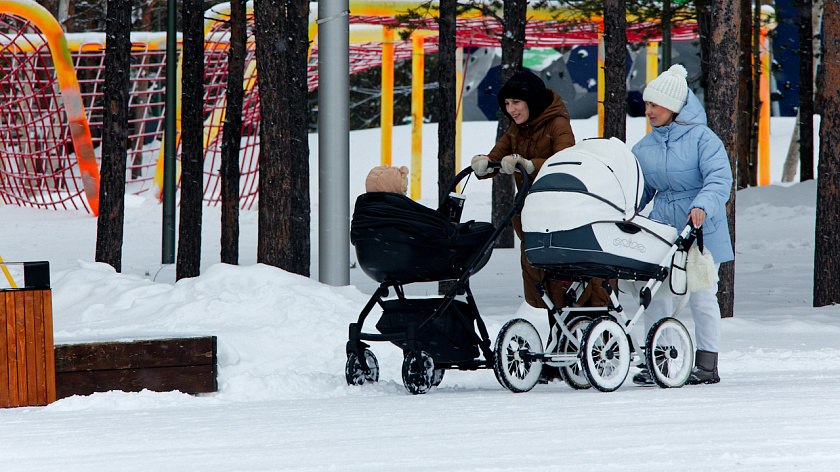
(526, 181)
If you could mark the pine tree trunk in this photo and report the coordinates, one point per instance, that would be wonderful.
(806, 93)
(615, 70)
(745, 118)
(827, 231)
(282, 44)
(722, 111)
(446, 104)
(109, 226)
(232, 135)
(188, 262)
(513, 46)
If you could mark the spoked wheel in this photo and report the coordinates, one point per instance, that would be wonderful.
(606, 354)
(354, 373)
(418, 372)
(670, 353)
(515, 366)
(573, 374)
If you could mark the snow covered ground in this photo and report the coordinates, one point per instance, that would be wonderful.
(283, 404)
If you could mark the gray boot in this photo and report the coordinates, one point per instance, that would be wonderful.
(705, 368)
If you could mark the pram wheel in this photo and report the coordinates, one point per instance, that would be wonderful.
(517, 352)
(354, 373)
(606, 354)
(438, 377)
(670, 353)
(418, 372)
(573, 374)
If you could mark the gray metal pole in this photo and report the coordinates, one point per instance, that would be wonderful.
(333, 142)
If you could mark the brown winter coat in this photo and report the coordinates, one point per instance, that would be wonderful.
(537, 140)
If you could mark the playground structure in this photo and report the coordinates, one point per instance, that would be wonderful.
(52, 88)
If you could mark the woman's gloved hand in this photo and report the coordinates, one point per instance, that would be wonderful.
(509, 164)
(479, 165)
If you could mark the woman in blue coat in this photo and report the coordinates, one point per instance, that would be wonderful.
(688, 176)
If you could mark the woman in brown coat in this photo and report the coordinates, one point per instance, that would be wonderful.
(540, 127)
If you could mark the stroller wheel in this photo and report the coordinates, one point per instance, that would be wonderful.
(573, 374)
(606, 354)
(418, 372)
(670, 353)
(438, 377)
(518, 352)
(354, 373)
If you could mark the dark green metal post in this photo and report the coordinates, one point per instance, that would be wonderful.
(168, 237)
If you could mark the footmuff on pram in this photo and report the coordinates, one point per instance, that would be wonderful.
(398, 240)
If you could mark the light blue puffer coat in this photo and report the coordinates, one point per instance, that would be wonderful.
(685, 166)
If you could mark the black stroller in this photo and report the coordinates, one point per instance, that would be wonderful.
(398, 242)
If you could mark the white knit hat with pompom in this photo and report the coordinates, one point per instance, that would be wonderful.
(669, 90)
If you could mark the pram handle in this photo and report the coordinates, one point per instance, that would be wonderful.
(526, 181)
(689, 235)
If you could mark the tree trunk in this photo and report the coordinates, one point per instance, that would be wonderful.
(704, 21)
(232, 135)
(806, 93)
(755, 112)
(513, 46)
(745, 118)
(109, 226)
(827, 231)
(615, 69)
(446, 103)
(722, 111)
(188, 263)
(282, 44)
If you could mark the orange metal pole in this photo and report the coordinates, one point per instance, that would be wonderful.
(764, 114)
(73, 105)
(417, 80)
(386, 117)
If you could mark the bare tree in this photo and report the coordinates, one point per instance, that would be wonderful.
(827, 234)
(722, 111)
(109, 226)
(447, 96)
(806, 93)
(746, 119)
(188, 263)
(615, 69)
(232, 134)
(282, 44)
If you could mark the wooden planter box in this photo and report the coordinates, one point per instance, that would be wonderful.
(27, 364)
(162, 365)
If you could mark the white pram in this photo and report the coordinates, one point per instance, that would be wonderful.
(581, 220)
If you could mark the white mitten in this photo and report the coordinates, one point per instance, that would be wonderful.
(479, 165)
(509, 164)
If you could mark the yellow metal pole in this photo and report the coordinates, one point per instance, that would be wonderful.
(764, 115)
(386, 116)
(601, 79)
(459, 112)
(8, 275)
(652, 69)
(417, 67)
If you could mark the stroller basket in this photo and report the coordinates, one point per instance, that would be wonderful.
(398, 240)
(448, 338)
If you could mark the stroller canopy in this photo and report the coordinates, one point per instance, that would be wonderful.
(595, 180)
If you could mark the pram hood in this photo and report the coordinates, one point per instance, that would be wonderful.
(595, 180)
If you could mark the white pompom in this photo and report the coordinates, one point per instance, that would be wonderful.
(678, 70)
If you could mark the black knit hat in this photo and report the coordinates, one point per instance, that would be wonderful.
(525, 85)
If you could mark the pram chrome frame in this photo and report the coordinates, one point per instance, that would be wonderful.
(573, 349)
(420, 371)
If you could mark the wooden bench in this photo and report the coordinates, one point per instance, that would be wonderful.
(35, 372)
(184, 364)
